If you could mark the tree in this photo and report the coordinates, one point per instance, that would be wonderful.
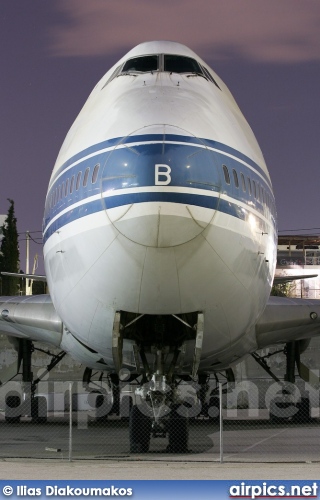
(9, 253)
(38, 287)
(282, 290)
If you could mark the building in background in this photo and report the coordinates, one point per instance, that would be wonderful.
(298, 255)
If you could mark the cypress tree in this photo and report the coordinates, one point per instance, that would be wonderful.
(9, 252)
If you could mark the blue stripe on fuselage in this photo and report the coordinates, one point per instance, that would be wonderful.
(131, 167)
(95, 206)
(149, 138)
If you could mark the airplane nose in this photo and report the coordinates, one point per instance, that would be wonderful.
(160, 186)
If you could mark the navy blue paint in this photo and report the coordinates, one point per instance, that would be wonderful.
(163, 138)
(115, 201)
(191, 167)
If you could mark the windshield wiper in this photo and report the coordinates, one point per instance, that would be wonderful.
(196, 73)
(127, 74)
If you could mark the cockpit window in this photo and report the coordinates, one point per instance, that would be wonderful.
(180, 64)
(171, 63)
(141, 64)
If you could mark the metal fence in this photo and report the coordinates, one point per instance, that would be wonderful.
(244, 422)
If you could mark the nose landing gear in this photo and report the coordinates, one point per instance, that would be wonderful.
(159, 409)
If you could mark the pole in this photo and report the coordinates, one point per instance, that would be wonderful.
(70, 421)
(35, 266)
(221, 422)
(28, 292)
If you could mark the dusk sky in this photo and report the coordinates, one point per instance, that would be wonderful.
(52, 53)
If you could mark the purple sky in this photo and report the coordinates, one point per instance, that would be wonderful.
(53, 53)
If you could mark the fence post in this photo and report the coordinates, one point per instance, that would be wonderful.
(221, 422)
(70, 421)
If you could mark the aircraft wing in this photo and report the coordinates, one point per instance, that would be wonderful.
(285, 320)
(278, 280)
(30, 317)
(35, 277)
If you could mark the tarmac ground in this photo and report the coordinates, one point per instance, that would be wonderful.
(132, 470)
(252, 450)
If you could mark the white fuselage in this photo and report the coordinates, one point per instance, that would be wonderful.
(153, 225)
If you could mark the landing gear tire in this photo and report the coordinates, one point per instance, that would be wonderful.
(213, 409)
(139, 431)
(280, 410)
(103, 407)
(39, 409)
(178, 433)
(125, 408)
(12, 410)
(303, 414)
(274, 418)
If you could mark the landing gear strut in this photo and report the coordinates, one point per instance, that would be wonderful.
(282, 407)
(33, 405)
